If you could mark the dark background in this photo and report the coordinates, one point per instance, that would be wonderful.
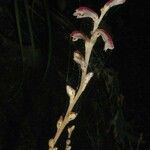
(32, 94)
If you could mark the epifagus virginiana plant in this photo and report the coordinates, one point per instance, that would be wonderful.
(83, 62)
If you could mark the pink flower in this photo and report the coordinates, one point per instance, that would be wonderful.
(83, 12)
(112, 3)
(76, 35)
(107, 39)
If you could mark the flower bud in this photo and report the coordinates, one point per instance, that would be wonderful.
(70, 130)
(51, 143)
(72, 116)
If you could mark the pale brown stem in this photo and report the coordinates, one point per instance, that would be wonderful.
(65, 121)
(79, 92)
(100, 19)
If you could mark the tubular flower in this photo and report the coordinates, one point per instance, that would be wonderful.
(76, 35)
(112, 3)
(84, 12)
(107, 39)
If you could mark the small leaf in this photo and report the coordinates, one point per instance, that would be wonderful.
(59, 122)
(70, 130)
(51, 143)
(72, 116)
(68, 148)
(68, 142)
(78, 58)
(70, 92)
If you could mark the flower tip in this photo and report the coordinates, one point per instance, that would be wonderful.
(76, 35)
(91, 74)
(84, 12)
(112, 3)
(108, 46)
(84, 8)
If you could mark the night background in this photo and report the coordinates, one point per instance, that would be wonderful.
(36, 63)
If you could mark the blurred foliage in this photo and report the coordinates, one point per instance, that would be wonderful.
(36, 63)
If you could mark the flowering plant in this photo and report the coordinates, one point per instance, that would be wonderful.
(83, 62)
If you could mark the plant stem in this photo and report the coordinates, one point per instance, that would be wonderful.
(71, 106)
(88, 51)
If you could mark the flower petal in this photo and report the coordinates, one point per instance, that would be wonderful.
(107, 39)
(84, 12)
(112, 3)
(76, 35)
